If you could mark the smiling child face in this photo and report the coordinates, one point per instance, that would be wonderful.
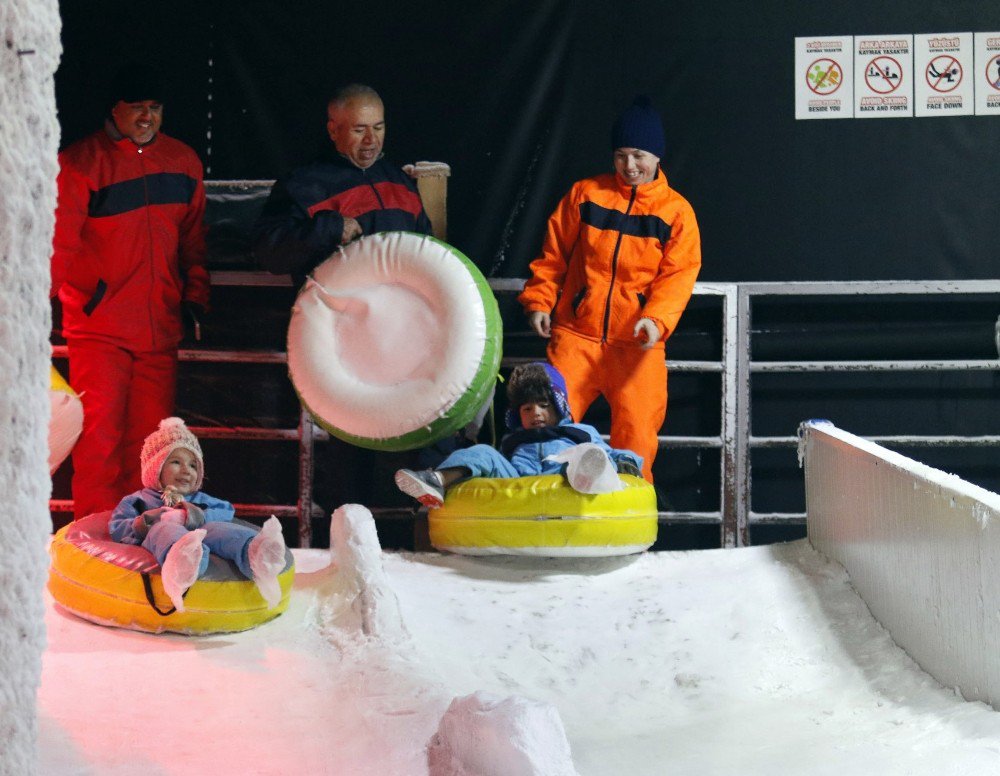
(180, 470)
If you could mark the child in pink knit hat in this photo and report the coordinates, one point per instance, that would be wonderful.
(180, 525)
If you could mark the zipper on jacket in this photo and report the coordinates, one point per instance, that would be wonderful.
(149, 226)
(614, 270)
(378, 196)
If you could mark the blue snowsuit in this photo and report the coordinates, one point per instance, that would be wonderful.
(223, 537)
(523, 451)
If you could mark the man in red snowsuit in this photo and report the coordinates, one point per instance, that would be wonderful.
(128, 256)
(617, 268)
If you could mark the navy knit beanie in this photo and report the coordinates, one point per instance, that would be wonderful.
(639, 127)
(135, 82)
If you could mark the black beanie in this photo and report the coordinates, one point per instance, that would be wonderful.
(639, 127)
(135, 82)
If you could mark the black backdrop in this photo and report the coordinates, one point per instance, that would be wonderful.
(518, 97)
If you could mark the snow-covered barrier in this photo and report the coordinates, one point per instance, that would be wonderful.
(29, 139)
(922, 548)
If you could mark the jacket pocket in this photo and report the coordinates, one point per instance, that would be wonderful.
(642, 300)
(95, 300)
(578, 299)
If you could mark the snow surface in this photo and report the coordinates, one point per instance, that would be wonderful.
(760, 660)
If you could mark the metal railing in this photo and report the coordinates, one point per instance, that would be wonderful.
(735, 367)
(736, 527)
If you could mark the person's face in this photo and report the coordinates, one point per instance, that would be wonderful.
(635, 166)
(138, 121)
(180, 470)
(358, 130)
(537, 414)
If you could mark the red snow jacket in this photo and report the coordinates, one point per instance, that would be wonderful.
(129, 242)
(613, 254)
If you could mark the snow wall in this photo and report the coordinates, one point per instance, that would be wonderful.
(922, 549)
(29, 138)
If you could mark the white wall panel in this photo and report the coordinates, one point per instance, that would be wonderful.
(922, 548)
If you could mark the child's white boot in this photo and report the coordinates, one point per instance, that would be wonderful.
(180, 567)
(266, 554)
(590, 471)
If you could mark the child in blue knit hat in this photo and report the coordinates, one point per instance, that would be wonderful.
(541, 431)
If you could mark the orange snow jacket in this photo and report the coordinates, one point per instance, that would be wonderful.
(613, 254)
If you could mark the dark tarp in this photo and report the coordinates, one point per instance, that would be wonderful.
(519, 96)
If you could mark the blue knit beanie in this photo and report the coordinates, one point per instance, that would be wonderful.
(558, 383)
(639, 127)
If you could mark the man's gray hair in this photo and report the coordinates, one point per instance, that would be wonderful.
(345, 94)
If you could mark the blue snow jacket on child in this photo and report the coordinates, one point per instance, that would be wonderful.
(223, 537)
(528, 448)
(121, 526)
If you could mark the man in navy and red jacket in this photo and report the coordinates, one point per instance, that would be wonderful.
(128, 257)
(331, 202)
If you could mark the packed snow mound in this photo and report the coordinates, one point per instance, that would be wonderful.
(485, 735)
(356, 555)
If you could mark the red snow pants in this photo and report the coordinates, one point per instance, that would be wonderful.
(632, 380)
(124, 396)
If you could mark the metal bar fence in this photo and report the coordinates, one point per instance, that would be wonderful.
(735, 366)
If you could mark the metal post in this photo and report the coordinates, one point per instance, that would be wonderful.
(736, 527)
(305, 503)
(728, 492)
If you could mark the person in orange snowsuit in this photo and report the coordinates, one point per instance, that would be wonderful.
(618, 264)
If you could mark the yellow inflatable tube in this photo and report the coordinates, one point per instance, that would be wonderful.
(106, 582)
(66, 419)
(544, 516)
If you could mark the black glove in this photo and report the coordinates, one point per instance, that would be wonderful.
(195, 516)
(191, 314)
(625, 466)
(142, 522)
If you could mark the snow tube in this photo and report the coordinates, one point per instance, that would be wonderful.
(544, 516)
(394, 342)
(119, 584)
(66, 420)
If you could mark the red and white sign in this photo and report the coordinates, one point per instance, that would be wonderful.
(986, 73)
(883, 76)
(942, 64)
(824, 78)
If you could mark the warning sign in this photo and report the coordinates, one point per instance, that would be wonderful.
(824, 82)
(986, 72)
(883, 75)
(942, 65)
(825, 76)
(883, 67)
(944, 74)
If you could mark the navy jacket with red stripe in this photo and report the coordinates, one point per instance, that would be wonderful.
(129, 241)
(303, 220)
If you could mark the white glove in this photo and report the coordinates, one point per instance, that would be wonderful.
(648, 331)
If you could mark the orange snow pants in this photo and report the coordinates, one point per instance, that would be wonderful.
(632, 380)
